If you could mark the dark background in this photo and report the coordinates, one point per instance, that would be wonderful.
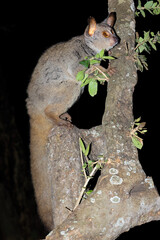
(26, 31)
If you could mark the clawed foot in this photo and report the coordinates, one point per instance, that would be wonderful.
(66, 117)
(111, 70)
(65, 120)
(62, 120)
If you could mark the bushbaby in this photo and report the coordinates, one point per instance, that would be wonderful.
(53, 89)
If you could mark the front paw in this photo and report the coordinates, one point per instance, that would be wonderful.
(111, 71)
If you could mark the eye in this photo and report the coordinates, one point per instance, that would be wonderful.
(105, 34)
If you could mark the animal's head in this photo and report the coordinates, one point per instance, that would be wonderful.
(101, 36)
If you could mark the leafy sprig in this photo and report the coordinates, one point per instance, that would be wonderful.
(150, 39)
(150, 6)
(89, 168)
(93, 72)
(145, 44)
(137, 127)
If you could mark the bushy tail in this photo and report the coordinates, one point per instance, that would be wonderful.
(40, 128)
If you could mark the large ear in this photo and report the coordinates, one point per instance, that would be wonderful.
(111, 19)
(92, 26)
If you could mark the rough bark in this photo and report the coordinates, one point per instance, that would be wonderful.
(124, 196)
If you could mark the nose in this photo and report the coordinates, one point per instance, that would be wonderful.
(117, 39)
(114, 41)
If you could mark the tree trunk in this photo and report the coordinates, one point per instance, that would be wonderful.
(123, 197)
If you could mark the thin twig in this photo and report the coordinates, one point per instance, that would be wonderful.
(93, 68)
(85, 175)
(106, 78)
(84, 187)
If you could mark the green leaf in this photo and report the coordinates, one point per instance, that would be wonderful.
(97, 55)
(84, 165)
(85, 63)
(154, 5)
(146, 35)
(141, 48)
(82, 145)
(90, 163)
(94, 61)
(153, 45)
(156, 11)
(85, 77)
(102, 76)
(87, 81)
(89, 192)
(108, 57)
(148, 4)
(140, 39)
(143, 13)
(144, 131)
(90, 168)
(139, 65)
(93, 88)
(101, 54)
(139, 3)
(143, 61)
(80, 75)
(137, 143)
(87, 150)
(137, 119)
(148, 48)
(98, 166)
